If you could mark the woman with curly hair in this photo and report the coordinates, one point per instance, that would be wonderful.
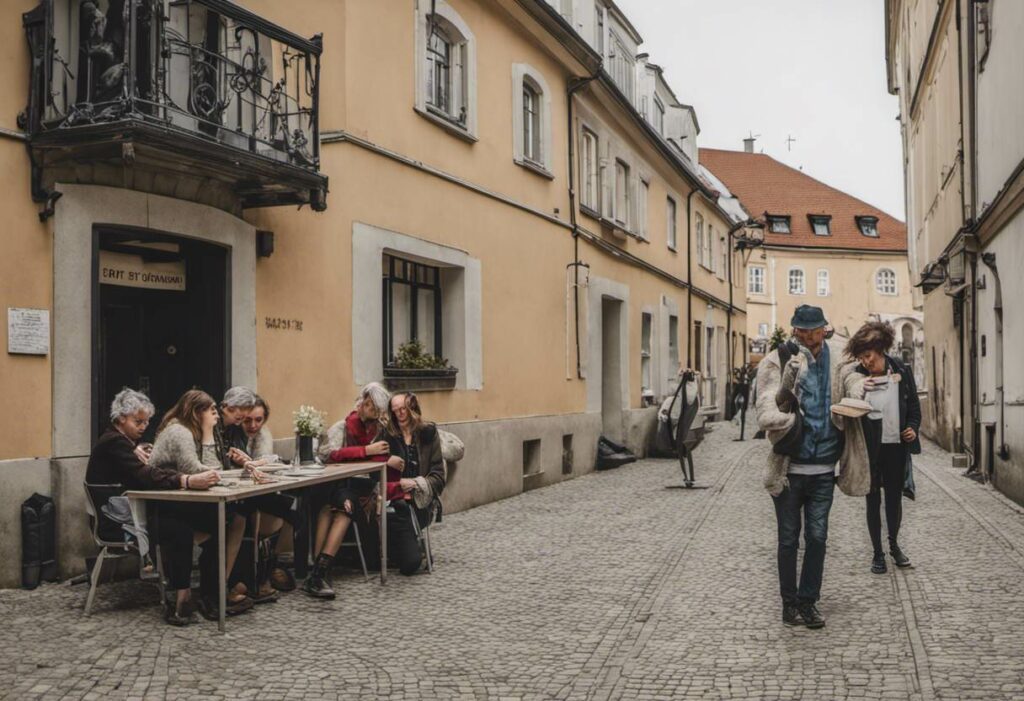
(891, 433)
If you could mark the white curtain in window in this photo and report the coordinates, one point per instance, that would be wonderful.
(796, 281)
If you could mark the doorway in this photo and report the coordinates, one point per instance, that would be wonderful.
(611, 369)
(161, 321)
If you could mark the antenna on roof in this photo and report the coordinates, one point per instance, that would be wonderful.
(748, 143)
(789, 142)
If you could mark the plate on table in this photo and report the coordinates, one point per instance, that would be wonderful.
(310, 471)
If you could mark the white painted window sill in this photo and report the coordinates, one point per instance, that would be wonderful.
(535, 168)
(448, 125)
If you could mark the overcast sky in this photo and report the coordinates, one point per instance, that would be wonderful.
(810, 69)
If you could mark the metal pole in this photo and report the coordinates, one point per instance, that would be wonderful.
(222, 576)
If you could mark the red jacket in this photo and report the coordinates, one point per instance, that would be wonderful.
(358, 435)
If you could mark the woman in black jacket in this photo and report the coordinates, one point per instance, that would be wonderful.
(891, 431)
(415, 476)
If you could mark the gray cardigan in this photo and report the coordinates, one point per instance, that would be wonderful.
(175, 447)
(261, 445)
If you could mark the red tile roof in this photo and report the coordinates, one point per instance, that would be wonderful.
(764, 185)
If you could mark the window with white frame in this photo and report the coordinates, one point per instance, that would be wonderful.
(755, 279)
(723, 253)
(823, 286)
(446, 69)
(885, 281)
(762, 330)
(659, 115)
(599, 28)
(645, 352)
(621, 197)
(673, 344)
(531, 121)
(796, 281)
(641, 209)
(670, 222)
(699, 227)
(623, 65)
(589, 171)
(706, 258)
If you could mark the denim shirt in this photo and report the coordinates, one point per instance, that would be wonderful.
(821, 443)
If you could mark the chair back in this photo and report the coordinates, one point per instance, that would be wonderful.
(103, 529)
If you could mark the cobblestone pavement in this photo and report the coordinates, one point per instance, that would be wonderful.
(605, 587)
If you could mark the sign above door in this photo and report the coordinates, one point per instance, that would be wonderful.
(129, 270)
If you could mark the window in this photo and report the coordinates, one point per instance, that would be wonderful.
(531, 121)
(706, 259)
(621, 199)
(645, 353)
(673, 344)
(589, 172)
(755, 279)
(823, 288)
(868, 226)
(623, 65)
(699, 226)
(698, 342)
(412, 306)
(641, 209)
(659, 115)
(599, 28)
(723, 253)
(778, 224)
(885, 281)
(821, 224)
(796, 281)
(446, 71)
(762, 330)
(670, 222)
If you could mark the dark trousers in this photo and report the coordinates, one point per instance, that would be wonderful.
(403, 548)
(178, 524)
(889, 466)
(808, 498)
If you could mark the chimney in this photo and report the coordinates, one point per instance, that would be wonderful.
(748, 144)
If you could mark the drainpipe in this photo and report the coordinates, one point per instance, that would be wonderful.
(728, 327)
(575, 84)
(689, 281)
(989, 259)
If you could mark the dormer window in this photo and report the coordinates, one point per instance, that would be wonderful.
(868, 226)
(778, 224)
(821, 224)
(659, 115)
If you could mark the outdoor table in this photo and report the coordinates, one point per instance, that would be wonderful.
(221, 495)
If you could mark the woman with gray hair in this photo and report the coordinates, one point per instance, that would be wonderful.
(117, 458)
(358, 437)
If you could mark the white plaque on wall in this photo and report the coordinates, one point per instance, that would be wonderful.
(127, 270)
(28, 331)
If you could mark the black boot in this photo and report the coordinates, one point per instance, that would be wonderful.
(898, 556)
(318, 584)
(791, 615)
(878, 563)
(811, 615)
(265, 593)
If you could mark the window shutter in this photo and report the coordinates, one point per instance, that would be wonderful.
(607, 177)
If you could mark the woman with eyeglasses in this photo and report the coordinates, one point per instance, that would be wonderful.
(891, 432)
(416, 478)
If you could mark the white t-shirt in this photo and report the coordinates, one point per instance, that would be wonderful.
(885, 405)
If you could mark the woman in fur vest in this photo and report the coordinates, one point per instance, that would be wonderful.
(890, 432)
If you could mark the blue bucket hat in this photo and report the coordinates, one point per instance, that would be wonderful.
(807, 317)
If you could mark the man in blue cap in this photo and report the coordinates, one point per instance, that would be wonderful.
(801, 468)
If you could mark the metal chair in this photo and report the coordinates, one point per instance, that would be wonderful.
(102, 529)
(423, 534)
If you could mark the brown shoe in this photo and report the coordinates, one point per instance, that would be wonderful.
(265, 595)
(281, 579)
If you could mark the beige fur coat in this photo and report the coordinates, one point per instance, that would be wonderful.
(854, 472)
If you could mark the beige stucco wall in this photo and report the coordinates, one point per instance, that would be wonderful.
(852, 294)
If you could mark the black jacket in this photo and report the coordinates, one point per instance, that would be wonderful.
(910, 405)
(113, 461)
(428, 443)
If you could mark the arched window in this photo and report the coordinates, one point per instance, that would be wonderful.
(885, 281)
(796, 281)
(446, 68)
(531, 119)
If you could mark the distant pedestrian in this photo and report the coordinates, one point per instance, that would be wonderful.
(797, 384)
(891, 432)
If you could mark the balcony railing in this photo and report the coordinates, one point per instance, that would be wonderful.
(207, 69)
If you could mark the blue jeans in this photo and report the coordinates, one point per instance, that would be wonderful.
(809, 497)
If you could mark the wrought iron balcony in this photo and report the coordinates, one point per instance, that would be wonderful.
(195, 98)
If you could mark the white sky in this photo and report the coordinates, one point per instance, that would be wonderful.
(810, 69)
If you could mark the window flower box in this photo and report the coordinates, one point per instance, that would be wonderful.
(420, 379)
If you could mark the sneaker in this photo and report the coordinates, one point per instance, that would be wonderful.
(899, 557)
(878, 564)
(791, 615)
(281, 579)
(812, 616)
(266, 594)
(318, 587)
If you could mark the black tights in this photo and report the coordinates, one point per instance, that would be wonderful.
(891, 457)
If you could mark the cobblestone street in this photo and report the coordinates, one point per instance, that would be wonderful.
(605, 587)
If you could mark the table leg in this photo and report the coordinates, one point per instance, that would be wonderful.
(384, 524)
(302, 539)
(222, 584)
(256, 553)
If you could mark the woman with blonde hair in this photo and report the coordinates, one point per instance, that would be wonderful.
(185, 442)
(890, 431)
(358, 437)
